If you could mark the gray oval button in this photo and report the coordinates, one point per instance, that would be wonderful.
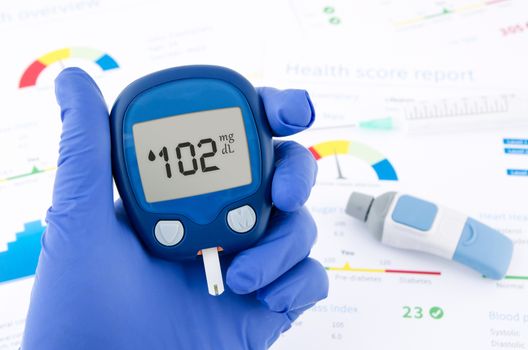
(169, 232)
(241, 219)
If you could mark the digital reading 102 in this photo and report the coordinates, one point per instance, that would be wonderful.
(190, 154)
(189, 149)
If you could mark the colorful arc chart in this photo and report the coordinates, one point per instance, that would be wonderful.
(381, 165)
(32, 72)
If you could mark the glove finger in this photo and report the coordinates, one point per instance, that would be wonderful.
(83, 185)
(297, 290)
(289, 239)
(120, 212)
(289, 111)
(295, 174)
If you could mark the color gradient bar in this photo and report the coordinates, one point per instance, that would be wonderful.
(32, 72)
(34, 171)
(513, 277)
(381, 165)
(509, 277)
(347, 268)
(445, 11)
(21, 258)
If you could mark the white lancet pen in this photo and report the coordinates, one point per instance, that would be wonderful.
(408, 222)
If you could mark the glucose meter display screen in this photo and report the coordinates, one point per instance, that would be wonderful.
(190, 154)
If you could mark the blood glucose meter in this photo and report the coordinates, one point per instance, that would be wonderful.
(192, 159)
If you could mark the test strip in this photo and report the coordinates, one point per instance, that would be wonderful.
(213, 273)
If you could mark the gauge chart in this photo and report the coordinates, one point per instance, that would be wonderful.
(338, 148)
(33, 71)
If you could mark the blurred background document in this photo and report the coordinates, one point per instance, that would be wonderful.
(419, 96)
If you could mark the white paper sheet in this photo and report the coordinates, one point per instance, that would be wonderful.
(450, 76)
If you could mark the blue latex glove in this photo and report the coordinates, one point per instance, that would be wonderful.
(97, 288)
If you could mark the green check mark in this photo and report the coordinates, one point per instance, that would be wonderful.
(436, 312)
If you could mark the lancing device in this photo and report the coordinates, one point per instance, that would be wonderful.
(407, 222)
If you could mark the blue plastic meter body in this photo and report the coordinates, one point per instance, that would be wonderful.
(232, 218)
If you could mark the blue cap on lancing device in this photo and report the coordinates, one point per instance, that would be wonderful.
(408, 222)
(193, 160)
(484, 249)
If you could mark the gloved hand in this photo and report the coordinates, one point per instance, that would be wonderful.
(96, 287)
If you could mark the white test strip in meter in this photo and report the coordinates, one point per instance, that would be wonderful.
(213, 273)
